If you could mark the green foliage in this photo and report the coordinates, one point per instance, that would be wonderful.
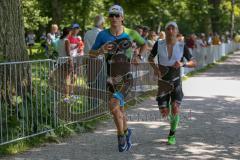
(32, 15)
(64, 131)
(25, 144)
(192, 16)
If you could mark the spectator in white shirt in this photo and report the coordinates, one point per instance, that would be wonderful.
(201, 42)
(91, 35)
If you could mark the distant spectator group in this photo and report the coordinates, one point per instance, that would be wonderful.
(59, 43)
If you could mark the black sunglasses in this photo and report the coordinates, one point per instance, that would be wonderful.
(114, 15)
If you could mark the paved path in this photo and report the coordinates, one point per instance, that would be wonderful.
(209, 129)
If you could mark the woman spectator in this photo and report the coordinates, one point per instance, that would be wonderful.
(76, 43)
(152, 38)
(66, 64)
(161, 35)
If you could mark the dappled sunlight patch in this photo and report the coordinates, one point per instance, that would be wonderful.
(193, 118)
(219, 108)
(106, 132)
(204, 148)
(37, 149)
(148, 109)
(61, 144)
(202, 157)
(208, 123)
(161, 148)
(135, 144)
(152, 155)
(193, 99)
(111, 130)
(197, 111)
(151, 125)
(214, 90)
(235, 150)
(180, 156)
(138, 156)
(160, 142)
(230, 119)
(232, 99)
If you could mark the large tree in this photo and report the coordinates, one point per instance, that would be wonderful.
(33, 16)
(12, 41)
(12, 48)
(56, 11)
(232, 17)
(215, 14)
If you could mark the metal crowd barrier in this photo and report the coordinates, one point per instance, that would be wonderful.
(27, 104)
(81, 89)
(211, 54)
(33, 97)
(38, 96)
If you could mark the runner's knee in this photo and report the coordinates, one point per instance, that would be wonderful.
(175, 108)
(117, 113)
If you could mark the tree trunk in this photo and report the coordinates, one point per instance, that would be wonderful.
(14, 78)
(56, 11)
(232, 18)
(215, 14)
(86, 13)
(12, 39)
(207, 24)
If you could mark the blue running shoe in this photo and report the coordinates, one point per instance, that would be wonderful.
(128, 139)
(122, 144)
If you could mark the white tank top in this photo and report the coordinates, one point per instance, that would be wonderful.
(177, 54)
(61, 48)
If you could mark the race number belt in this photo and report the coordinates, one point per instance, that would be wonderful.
(120, 79)
(171, 79)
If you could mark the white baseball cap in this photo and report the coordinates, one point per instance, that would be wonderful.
(116, 9)
(172, 23)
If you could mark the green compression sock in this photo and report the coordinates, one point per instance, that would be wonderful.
(174, 121)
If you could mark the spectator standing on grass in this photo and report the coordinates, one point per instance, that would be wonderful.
(52, 39)
(66, 64)
(76, 43)
(30, 39)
